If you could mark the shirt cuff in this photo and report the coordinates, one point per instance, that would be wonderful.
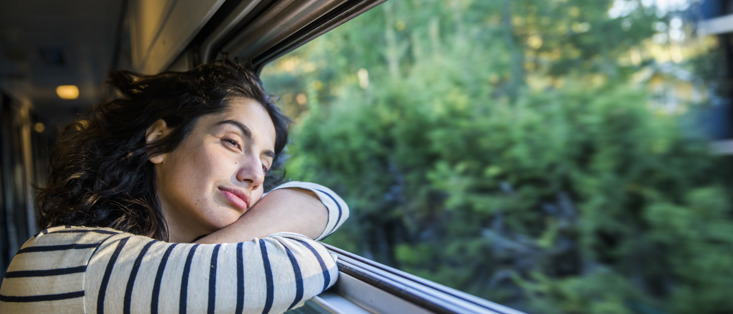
(338, 211)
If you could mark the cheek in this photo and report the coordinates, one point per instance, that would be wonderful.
(190, 170)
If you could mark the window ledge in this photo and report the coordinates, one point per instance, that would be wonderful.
(365, 286)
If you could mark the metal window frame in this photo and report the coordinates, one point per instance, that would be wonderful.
(365, 286)
(261, 31)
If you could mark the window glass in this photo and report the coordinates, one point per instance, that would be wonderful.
(552, 156)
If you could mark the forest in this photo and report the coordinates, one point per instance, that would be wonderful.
(542, 154)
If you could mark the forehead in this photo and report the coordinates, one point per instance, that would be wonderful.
(251, 114)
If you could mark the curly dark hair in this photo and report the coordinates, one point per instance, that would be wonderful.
(100, 175)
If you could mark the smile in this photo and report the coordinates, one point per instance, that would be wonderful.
(236, 197)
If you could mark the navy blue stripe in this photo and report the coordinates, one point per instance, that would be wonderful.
(62, 247)
(240, 279)
(184, 281)
(45, 272)
(326, 274)
(268, 278)
(212, 279)
(85, 231)
(339, 207)
(107, 274)
(298, 278)
(42, 297)
(159, 278)
(131, 281)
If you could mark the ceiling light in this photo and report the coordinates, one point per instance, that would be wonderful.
(67, 91)
(39, 127)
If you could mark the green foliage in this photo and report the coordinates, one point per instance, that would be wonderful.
(572, 194)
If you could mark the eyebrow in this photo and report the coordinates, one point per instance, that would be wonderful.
(247, 134)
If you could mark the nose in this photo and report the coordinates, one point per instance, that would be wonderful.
(250, 171)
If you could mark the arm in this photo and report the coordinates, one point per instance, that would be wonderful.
(298, 207)
(80, 269)
(263, 275)
(113, 269)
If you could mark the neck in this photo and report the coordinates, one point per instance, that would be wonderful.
(180, 230)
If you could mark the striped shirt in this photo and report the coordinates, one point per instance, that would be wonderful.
(94, 270)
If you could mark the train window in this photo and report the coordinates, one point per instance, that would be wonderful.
(551, 156)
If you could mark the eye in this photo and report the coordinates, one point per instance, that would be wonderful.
(265, 169)
(232, 143)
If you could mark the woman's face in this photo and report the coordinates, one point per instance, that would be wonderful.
(217, 172)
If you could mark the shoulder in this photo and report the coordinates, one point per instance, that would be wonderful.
(63, 238)
(76, 230)
(47, 273)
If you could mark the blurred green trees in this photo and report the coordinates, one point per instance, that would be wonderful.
(506, 148)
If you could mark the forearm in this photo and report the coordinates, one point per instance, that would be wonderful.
(284, 210)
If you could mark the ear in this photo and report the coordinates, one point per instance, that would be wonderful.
(158, 130)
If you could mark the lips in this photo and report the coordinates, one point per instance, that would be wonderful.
(236, 197)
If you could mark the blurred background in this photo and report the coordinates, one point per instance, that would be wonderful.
(554, 156)
(564, 156)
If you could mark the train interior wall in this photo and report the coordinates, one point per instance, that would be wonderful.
(25, 141)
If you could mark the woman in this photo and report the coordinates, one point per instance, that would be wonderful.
(155, 204)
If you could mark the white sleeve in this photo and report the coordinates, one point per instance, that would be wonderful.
(338, 211)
